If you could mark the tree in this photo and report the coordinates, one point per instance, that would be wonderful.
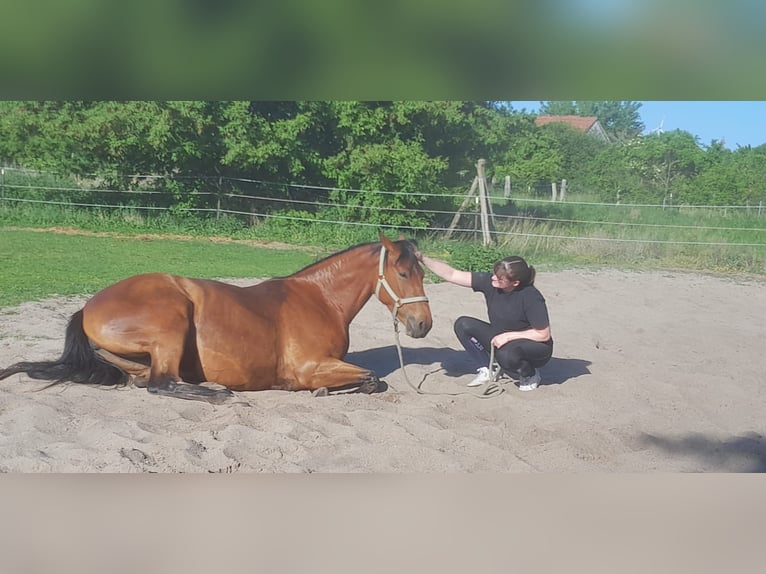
(533, 156)
(559, 108)
(730, 177)
(614, 174)
(666, 162)
(112, 137)
(283, 141)
(577, 151)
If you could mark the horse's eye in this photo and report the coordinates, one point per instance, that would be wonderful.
(402, 274)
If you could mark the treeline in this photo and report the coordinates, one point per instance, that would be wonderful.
(412, 150)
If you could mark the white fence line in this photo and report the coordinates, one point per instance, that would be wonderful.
(359, 191)
(494, 232)
(364, 207)
(471, 231)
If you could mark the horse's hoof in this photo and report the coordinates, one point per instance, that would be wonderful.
(139, 382)
(369, 385)
(320, 392)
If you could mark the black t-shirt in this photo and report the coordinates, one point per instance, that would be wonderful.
(519, 310)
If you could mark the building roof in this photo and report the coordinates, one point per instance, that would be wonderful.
(582, 123)
(586, 124)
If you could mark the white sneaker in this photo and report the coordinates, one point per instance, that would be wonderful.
(513, 375)
(482, 377)
(531, 382)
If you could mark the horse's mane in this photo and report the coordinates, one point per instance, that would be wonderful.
(407, 252)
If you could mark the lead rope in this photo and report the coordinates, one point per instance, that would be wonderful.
(494, 373)
(492, 389)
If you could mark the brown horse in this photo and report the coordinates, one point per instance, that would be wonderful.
(171, 333)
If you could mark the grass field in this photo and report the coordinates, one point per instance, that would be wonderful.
(98, 247)
(38, 265)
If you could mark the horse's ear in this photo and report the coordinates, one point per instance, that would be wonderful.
(387, 243)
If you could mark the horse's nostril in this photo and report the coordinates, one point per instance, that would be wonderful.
(419, 328)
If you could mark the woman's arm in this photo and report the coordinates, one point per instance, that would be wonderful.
(445, 271)
(540, 335)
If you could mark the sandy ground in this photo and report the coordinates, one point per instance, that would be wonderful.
(652, 372)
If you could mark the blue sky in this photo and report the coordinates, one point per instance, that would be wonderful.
(737, 123)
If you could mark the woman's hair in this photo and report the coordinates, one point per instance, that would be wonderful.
(515, 268)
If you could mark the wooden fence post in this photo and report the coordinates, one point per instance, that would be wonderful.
(456, 217)
(563, 190)
(507, 187)
(483, 201)
(218, 198)
(553, 191)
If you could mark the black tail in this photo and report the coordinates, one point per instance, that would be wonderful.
(78, 363)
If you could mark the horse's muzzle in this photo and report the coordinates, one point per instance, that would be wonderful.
(416, 327)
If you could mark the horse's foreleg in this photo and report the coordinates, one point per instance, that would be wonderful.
(208, 392)
(334, 374)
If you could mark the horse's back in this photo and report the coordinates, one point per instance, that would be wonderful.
(137, 293)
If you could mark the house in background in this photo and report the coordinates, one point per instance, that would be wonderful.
(586, 124)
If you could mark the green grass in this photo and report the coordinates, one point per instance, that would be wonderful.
(294, 228)
(38, 265)
(548, 235)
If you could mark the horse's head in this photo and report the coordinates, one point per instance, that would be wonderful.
(400, 286)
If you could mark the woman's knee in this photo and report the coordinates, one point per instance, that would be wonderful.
(509, 357)
(463, 325)
(512, 355)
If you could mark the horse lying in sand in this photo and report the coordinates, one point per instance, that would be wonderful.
(200, 339)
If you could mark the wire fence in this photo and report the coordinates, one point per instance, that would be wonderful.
(518, 216)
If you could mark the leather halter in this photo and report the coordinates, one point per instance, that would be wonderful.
(398, 302)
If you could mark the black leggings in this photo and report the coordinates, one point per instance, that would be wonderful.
(521, 355)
